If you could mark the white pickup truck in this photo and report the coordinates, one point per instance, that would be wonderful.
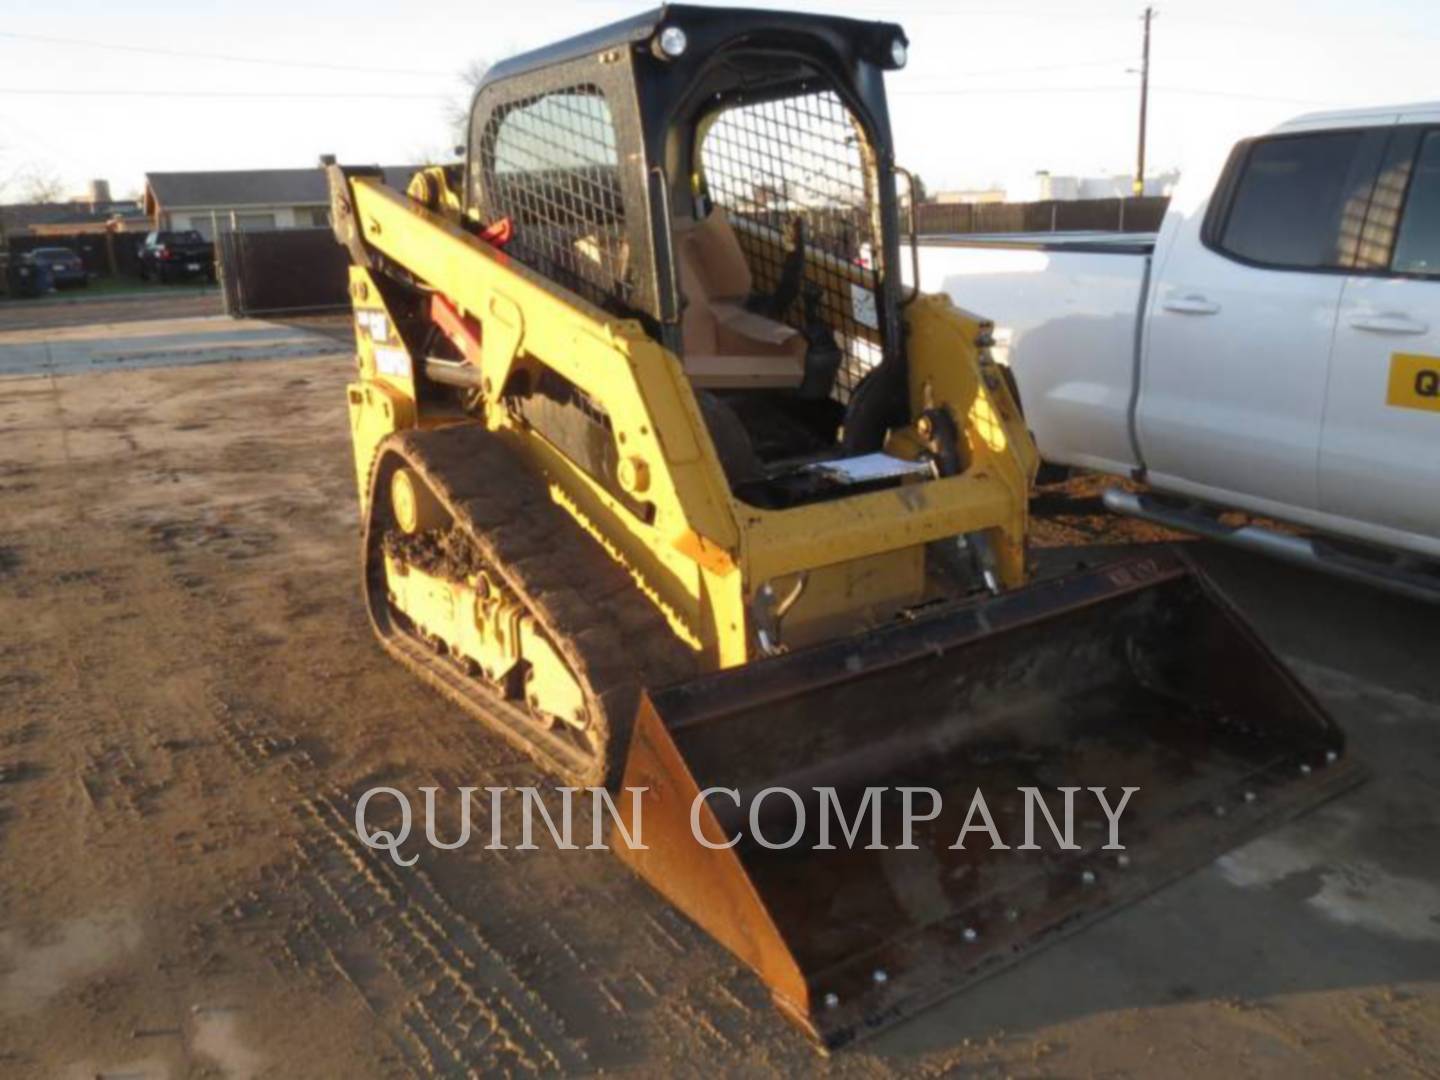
(1274, 349)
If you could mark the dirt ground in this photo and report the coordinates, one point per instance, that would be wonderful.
(191, 701)
(77, 309)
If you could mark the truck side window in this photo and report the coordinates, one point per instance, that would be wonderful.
(1417, 250)
(1299, 201)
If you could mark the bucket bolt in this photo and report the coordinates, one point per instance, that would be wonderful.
(1122, 860)
(831, 1000)
(1305, 768)
(1087, 877)
(880, 977)
(970, 934)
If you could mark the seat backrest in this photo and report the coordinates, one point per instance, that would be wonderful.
(726, 346)
(711, 252)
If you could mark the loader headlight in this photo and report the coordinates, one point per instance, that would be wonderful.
(899, 53)
(671, 43)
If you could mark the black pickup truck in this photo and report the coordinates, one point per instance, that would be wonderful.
(173, 256)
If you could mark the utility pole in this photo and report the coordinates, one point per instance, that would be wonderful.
(1139, 188)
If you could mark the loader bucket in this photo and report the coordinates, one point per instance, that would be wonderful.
(1134, 675)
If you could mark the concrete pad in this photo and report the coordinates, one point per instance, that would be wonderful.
(153, 343)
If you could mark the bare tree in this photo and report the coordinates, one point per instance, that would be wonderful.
(38, 184)
(457, 111)
(430, 154)
(9, 174)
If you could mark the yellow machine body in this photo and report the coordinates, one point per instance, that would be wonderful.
(571, 531)
(704, 555)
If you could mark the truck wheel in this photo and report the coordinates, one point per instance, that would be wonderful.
(1050, 473)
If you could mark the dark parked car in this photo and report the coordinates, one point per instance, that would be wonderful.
(65, 266)
(171, 256)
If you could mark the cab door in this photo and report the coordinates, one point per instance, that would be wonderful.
(1242, 315)
(1380, 447)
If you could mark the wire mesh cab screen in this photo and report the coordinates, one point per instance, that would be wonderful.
(551, 165)
(804, 157)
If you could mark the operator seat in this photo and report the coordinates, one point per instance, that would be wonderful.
(727, 347)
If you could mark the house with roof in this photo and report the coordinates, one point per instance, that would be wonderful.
(95, 212)
(246, 200)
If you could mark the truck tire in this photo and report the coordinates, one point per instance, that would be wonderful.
(1048, 473)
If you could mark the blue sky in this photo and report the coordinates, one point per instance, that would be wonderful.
(995, 90)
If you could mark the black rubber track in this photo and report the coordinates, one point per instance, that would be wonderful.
(613, 638)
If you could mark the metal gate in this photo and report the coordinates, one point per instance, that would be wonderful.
(283, 272)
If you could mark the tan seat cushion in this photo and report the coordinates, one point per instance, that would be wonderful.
(713, 252)
(735, 319)
(726, 346)
(608, 251)
(730, 372)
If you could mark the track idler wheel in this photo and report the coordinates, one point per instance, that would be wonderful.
(416, 508)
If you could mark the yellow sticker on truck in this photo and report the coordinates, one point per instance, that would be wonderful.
(1414, 382)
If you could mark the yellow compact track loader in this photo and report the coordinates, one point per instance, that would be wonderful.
(668, 478)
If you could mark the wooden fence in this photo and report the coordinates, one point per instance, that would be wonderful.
(1052, 215)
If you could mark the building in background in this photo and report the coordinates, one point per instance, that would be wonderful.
(1044, 186)
(992, 194)
(93, 213)
(246, 200)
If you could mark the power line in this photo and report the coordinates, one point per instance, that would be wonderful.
(225, 57)
(246, 95)
(1288, 30)
(1238, 96)
(896, 14)
(1183, 90)
(1041, 67)
(1015, 90)
(342, 95)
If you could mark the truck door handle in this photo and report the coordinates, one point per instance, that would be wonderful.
(1191, 304)
(1389, 323)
